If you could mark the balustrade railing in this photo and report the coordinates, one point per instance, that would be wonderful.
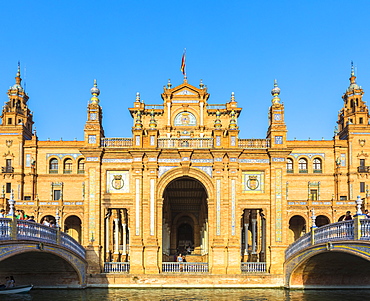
(25, 230)
(254, 143)
(116, 142)
(345, 230)
(116, 267)
(253, 267)
(185, 267)
(185, 143)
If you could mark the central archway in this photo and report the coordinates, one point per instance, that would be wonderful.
(185, 220)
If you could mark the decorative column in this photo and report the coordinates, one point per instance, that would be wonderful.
(313, 228)
(254, 236)
(357, 218)
(116, 235)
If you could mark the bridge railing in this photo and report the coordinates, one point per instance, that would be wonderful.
(356, 229)
(253, 267)
(25, 230)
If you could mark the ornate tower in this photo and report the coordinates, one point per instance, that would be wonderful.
(355, 112)
(15, 113)
(277, 127)
(93, 126)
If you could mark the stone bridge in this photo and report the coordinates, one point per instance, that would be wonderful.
(333, 256)
(40, 255)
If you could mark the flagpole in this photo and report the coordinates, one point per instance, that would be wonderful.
(183, 64)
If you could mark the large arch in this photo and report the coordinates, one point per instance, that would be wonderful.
(53, 265)
(184, 216)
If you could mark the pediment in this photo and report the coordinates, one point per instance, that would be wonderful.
(185, 92)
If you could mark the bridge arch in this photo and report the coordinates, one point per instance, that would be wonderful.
(328, 265)
(51, 263)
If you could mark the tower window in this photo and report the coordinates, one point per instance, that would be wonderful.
(361, 121)
(302, 165)
(10, 121)
(53, 166)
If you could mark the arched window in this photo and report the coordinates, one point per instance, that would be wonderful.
(302, 165)
(67, 166)
(317, 165)
(53, 166)
(289, 165)
(81, 166)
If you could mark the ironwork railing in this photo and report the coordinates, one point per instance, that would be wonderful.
(24, 230)
(339, 231)
(253, 267)
(185, 143)
(185, 267)
(7, 169)
(116, 267)
(363, 169)
(116, 142)
(254, 143)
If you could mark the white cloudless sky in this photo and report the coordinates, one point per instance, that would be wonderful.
(136, 46)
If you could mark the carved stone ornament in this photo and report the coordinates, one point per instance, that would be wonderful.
(361, 142)
(9, 143)
(8, 154)
(362, 154)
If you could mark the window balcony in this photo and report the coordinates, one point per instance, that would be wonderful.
(363, 169)
(80, 171)
(317, 171)
(289, 171)
(7, 169)
(67, 171)
(303, 171)
(53, 170)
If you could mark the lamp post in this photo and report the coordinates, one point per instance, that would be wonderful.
(11, 204)
(57, 218)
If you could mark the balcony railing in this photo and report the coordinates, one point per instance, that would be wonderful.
(116, 142)
(363, 169)
(254, 143)
(7, 169)
(253, 267)
(185, 143)
(116, 267)
(185, 267)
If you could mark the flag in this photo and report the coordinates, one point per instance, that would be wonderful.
(183, 63)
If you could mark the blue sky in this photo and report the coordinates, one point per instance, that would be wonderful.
(136, 46)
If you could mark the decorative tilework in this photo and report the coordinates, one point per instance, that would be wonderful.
(137, 159)
(218, 207)
(118, 181)
(207, 169)
(233, 159)
(137, 206)
(253, 181)
(254, 160)
(169, 160)
(278, 159)
(218, 159)
(202, 160)
(92, 159)
(278, 206)
(152, 205)
(92, 213)
(117, 160)
(152, 159)
(309, 155)
(61, 156)
(233, 201)
(163, 169)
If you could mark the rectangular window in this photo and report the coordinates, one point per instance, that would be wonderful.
(8, 187)
(362, 162)
(9, 121)
(343, 159)
(218, 140)
(343, 198)
(137, 140)
(233, 140)
(56, 195)
(361, 120)
(27, 198)
(362, 186)
(92, 139)
(313, 194)
(28, 160)
(152, 140)
(278, 139)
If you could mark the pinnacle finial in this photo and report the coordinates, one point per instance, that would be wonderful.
(232, 96)
(19, 69)
(352, 69)
(137, 97)
(201, 85)
(169, 85)
(95, 92)
(275, 92)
